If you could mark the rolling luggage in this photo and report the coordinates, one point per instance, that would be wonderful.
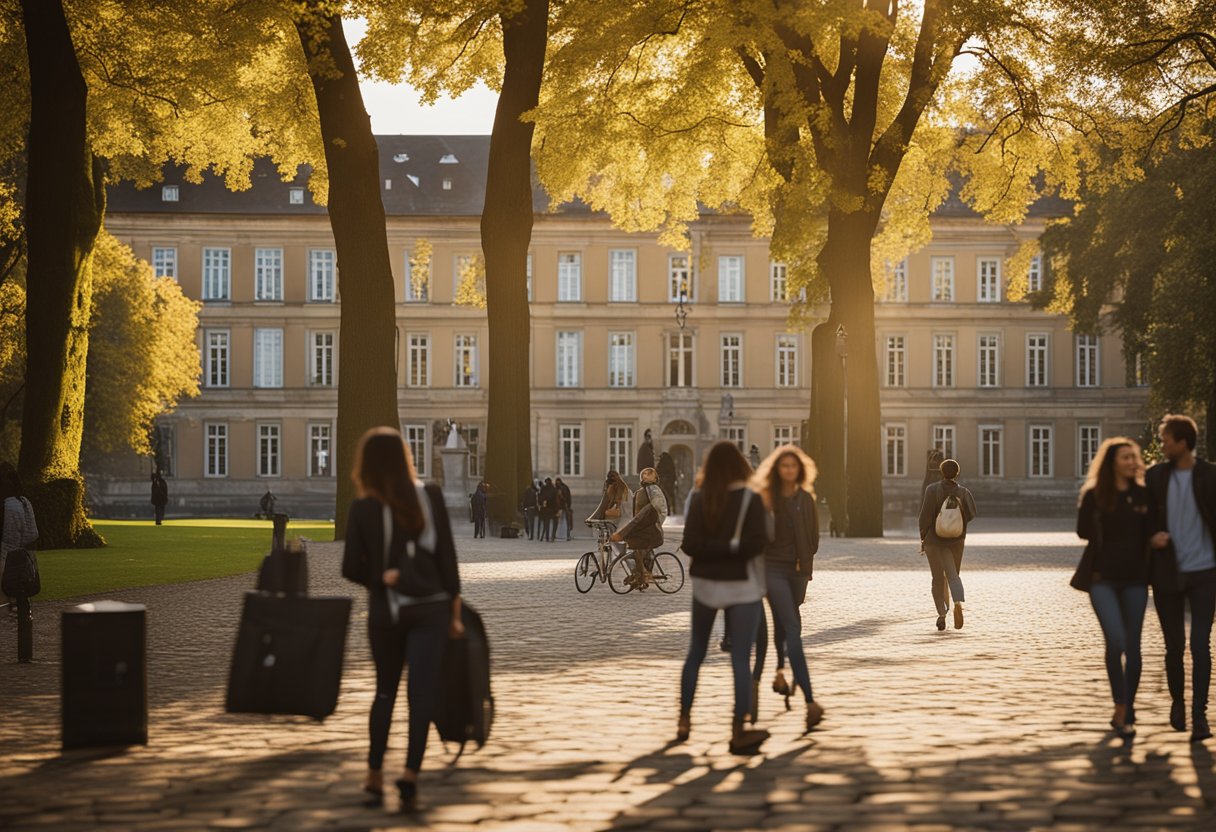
(285, 570)
(466, 705)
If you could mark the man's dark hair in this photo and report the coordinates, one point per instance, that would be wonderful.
(1182, 428)
(949, 469)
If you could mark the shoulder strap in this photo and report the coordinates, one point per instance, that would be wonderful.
(747, 501)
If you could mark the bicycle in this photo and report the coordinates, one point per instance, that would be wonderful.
(619, 569)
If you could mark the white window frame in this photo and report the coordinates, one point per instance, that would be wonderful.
(1087, 446)
(217, 274)
(322, 275)
(736, 434)
(323, 358)
(622, 359)
(215, 450)
(417, 440)
(679, 269)
(620, 448)
(170, 193)
(569, 277)
(991, 465)
(217, 358)
(320, 434)
(941, 275)
(731, 278)
(418, 344)
(411, 294)
(731, 352)
(897, 283)
(1088, 374)
(895, 354)
(465, 341)
(1038, 359)
(269, 450)
(988, 360)
(944, 376)
(1034, 274)
(528, 276)
(945, 440)
(681, 358)
(786, 435)
(788, 347)
(779, 283)
(1040, 451)
(295, 196)
(568, 361)
(164, 262)
(268, 275)
(895, 449)
(623, 275)
(268, 369)
(570, 449)
(988, 279)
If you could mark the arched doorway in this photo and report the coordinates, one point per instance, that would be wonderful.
(683, 457)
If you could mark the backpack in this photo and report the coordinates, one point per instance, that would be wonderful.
(21, 578)
(949, 524)
(465, 709)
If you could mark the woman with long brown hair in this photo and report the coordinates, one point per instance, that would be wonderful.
(1116, 517)
(724, 536)
(399, 545)
(784, 481)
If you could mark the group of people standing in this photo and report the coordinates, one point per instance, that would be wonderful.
(544, 503)
(1152, 529)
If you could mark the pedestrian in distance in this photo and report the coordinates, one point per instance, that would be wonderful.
(565, 505)
(160, 496)
(1183, 490)
(945, 512)
(527, 504)
(724, 536)
(399, 545)
(547, 501)
(753, 456)
(645, 452)
(644, 531)
(19, 529)
(615, 497)
(1116, 517)
(784, 481)
(666, 466)
(481, 506)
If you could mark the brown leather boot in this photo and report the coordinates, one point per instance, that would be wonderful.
(684, 726)
(814, 714)
(745, 740)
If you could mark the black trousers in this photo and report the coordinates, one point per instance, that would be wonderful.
(1199, 590)
(160, 513)
(530, 521)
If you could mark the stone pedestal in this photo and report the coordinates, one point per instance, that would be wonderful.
(456, 486)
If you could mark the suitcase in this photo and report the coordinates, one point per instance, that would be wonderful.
(104, 695)
(285, 571)
(465, 710)
(288, 655)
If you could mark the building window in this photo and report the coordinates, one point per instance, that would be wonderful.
(164, 262)
(1034, 276)
(943, 360)
(268, 358)
(415, 292)
(989, 273)
(466, 360)
(1139, 370)
(320, 450)
(992, 451)
(164, 449)
(571, 452)
(569, 277)
(732, 360)
(322, 358)
(787, 360)
(472, 439)
(620, 449)
(896, 361)
(419, 366)
(1089, 437)
(1040, 450)
(295, 196)
(1036, 359)
(415, 440)
(217, 450)
(169, 193)
(779, 285)
(896, 450)
(216, 369)
(989, 362)
(942, 269)
(322, 271)
(897, 282)
(730, 278)
(679, 276)
(679, 359)
(943, 440)
(620, 359)
(785, 435)
(736, 434)
(1087, 360)
(268, 274)
(569, 358)
(217, 274)
(268, 451)
(623, 275)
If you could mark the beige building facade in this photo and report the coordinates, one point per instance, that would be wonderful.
(1009, 391)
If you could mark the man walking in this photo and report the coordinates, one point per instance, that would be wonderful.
(527, 504)
(160, 496)
(565, 505)
(1183, 491)
(547, 501)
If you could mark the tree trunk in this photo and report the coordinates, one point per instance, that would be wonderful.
(367, 378)
(65, 201)
(506, 232)
(857, 482)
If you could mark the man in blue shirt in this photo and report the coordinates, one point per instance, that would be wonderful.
(1183, 490)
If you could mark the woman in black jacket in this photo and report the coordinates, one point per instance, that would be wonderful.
(1116, 517)
(724, 535)
(399, 545)
(784, 481)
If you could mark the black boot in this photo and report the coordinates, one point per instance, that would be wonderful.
(745, 740)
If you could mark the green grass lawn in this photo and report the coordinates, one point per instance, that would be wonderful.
(140, 553)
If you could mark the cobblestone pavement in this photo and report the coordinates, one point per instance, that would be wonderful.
(1002, 725)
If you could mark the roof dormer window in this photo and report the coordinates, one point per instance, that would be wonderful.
(169, 193)
(417, 182)
(295, 196)
(449, 159)
(388, 184)
(401, 157)
(447, 184)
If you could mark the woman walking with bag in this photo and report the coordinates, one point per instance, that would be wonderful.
(945, 513)
(399, 545)
(784, 481)
(725, 535)
(1116, 517)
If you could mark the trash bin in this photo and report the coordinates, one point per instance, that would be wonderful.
(105, 686)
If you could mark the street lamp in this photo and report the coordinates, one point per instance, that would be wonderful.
(842, 351)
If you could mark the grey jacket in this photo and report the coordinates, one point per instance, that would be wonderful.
(644, 530)
(935, 495)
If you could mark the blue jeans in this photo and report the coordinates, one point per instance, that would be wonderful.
(742, 620)
(786, 588)
(1120, 608)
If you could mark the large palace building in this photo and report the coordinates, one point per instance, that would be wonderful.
(1009, 391)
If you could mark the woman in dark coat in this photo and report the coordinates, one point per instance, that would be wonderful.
(547, 506)
(481, 504)
(399, 545)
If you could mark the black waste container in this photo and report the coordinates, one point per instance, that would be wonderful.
(105, 685)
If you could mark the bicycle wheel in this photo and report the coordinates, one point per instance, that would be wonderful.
(667, 572)
(585, 572)
(619, 571)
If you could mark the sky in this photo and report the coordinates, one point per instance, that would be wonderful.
(396, 109)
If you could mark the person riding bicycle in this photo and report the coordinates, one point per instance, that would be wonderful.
(612, 501)
(644, 533)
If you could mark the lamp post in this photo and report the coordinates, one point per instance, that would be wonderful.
(681, 309)
(842, 351)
